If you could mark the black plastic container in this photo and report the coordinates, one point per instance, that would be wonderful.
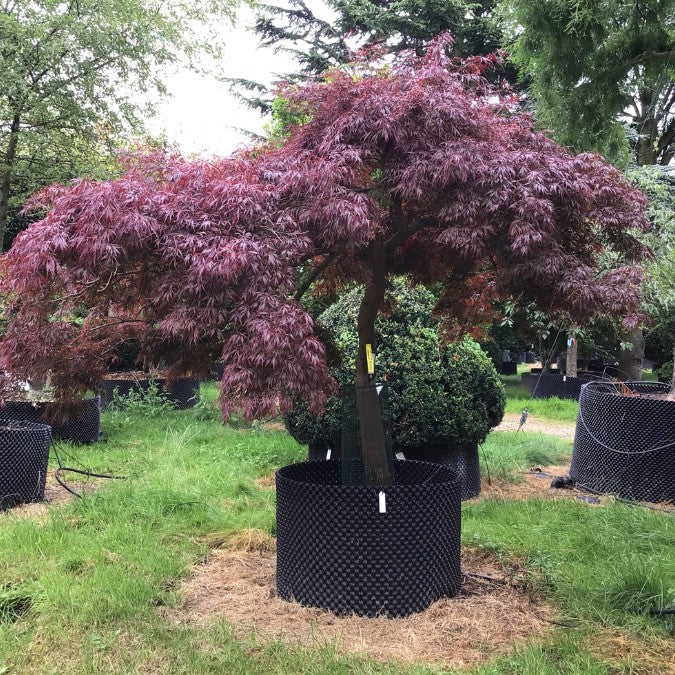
(183, 392)
(368, 550)
(463, 459)
(625, 444)
(509, 368)
(80, 426)
(547, 385)
(24, 453)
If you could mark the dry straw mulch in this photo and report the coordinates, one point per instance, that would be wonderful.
(236, 584)
(55, 495)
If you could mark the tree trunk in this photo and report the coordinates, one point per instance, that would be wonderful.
(630, 360)
(572, 348)
(671, 396)
(6, 177)
(376, 468)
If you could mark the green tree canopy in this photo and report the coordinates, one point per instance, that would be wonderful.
(71, 74)
(602, 72)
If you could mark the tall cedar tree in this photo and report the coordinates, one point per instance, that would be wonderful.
(603, 77)
(420, 169)
(319, 44)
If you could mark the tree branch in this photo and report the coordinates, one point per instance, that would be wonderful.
(312, 277)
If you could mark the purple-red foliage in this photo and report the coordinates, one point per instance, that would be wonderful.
(422, 160)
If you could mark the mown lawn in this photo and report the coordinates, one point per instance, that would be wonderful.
(517, 398)
(83, 588)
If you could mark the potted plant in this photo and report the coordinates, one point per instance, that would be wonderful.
(624, 442)
(444, 398)
(419, 168)
(78, 422)
(24, 453)
(181, 392)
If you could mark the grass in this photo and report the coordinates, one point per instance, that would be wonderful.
(83, 590)
(562, 410)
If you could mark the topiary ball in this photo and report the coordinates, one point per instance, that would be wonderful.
(440, 395)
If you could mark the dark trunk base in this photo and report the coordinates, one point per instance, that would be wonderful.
(82, 426)
(462, 459)
(24, 453)
(625, 445)
(336, 550)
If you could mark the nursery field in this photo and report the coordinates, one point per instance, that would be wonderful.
(169, 569)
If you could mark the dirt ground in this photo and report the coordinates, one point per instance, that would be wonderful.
(488, 617)
(511, 422)
(55, 494)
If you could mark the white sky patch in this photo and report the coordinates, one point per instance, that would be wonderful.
(201, 116)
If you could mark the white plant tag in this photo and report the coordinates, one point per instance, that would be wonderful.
(383, 502)
(379, 388)
(564, 378)
(328, 453)
(400, 455)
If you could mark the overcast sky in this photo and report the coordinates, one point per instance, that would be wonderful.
(202, 116)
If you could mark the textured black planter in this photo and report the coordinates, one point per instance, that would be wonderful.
(82, 426)
(530, 357)
(463, 459)
(548, 384)
(337, 550)
(509, 368)
(625, 445)
(24, 453)
(183, 393)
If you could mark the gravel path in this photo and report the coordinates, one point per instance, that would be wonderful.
(538, 424)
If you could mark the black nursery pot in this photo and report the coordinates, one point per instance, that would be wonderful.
(463, 459)
(625, 445)
(550, 384)
(509, 368)
(183, 393)
(338, 550)
(81, 426)
(24, 453)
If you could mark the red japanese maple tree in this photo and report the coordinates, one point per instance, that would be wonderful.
(421, 168)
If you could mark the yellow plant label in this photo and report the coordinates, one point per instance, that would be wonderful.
(370, 360)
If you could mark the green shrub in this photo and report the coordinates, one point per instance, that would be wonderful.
(491, 348)
(665, 372)
(440, 395)
(659, 343)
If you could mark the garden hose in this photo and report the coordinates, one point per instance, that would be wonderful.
(60, 469)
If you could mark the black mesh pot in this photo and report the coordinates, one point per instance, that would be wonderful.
(337, 550)
(625, 444)
(530, 357)
(319, 452)
(24, 453)
(81, 426)
(547, 385)
(463, 459)
(509, 368)
(183, 393)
